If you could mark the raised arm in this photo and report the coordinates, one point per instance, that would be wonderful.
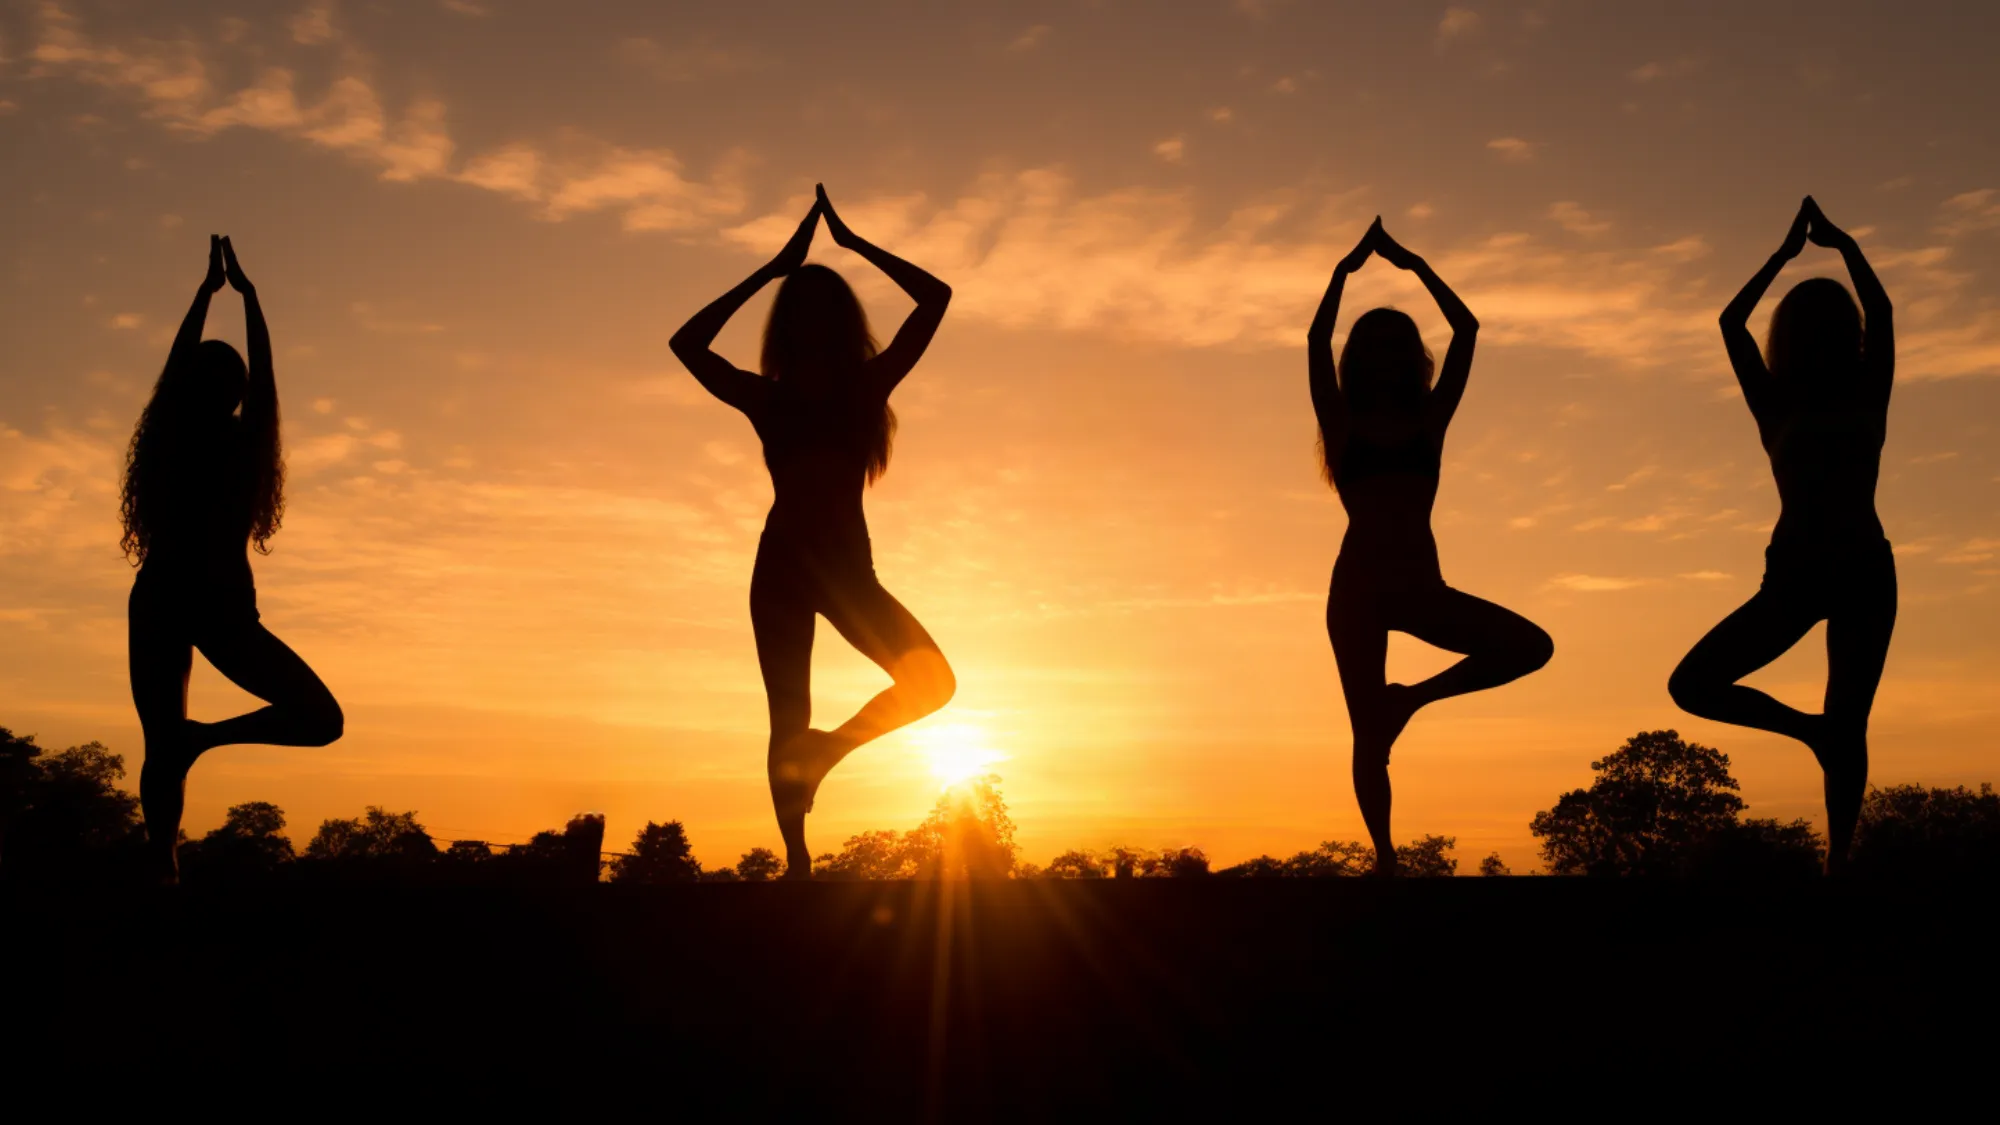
(930, 294)
(189, 337)
(1878, 342)
(1457, 367)
(1328, 403)
(260, 397)
(693, 343)
(1751, 373)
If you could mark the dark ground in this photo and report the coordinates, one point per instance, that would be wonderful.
(1021, 1001)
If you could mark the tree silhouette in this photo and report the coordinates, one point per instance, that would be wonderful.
(881, 854)
(1913, 832)
(1421, 858)
(660, 853)
(249, 845)
(759, 865)
(1660, 806)
(1492, 866)
(376, 834)
(1075, 864)
(968, 833)
(64, 815)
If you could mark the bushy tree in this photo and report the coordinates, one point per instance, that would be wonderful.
(250, 844)
(1492, 866)
(661, 853)
(1427, 858)
(1654, 800)
(1913, 832)
(1424, 857)
(376, 834)
(63, 815)
(1075, 864)
(968, 833)
(881, 854)
(759, 865)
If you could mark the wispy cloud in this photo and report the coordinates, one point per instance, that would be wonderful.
(1512, 149)
(1573, 218)
(1457, 23)
(1592, 583)
(1031, 38)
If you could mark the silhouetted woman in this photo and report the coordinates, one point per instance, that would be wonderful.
(821, 408)
(1382, 425)
(1820, 395)
(204, 479)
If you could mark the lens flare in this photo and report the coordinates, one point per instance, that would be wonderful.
(956, 752)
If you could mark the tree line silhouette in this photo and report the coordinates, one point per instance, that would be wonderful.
(1658, 806)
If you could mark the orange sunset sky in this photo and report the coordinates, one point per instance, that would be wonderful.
(519, 536)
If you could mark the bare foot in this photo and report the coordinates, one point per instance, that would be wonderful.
(796, 771)
(798, 768)
(1393, 710)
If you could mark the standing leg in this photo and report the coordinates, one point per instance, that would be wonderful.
(781, 615)
(1857, 646)
(1758, 632)
(300, 712)
(160, 658)
(1361, 651)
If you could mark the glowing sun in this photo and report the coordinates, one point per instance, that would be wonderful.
(957, 752)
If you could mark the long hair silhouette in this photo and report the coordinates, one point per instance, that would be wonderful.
(1383, 366)
(204, 479)
(193, 407)
(1814, 342)
(821, 409)
(1383, 413)
(817, 334)
(1820, 397)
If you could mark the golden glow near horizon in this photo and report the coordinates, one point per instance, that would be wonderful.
(518, 538)
(957, 752)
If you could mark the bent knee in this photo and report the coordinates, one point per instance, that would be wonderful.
(928, 677)
(326, 722)
(1688, 686)
(1537, 648)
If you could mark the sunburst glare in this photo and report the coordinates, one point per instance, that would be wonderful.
(957, 752)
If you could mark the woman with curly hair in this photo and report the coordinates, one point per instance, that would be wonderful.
(204, 480)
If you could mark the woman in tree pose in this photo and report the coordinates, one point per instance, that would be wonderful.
(203, 481)
(1382, 425)
(821, 408)
(1820, 395)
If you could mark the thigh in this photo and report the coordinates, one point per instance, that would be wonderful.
(1360, 647)
(160, 657)
(1753, 635)
(254, 659)
(870, 618)
(782, 617)
(1857, 643)
(1456, 621)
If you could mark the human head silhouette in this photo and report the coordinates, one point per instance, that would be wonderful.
(207, 388)
(817, 340)
(1385, 365)
(1815, 337)
(817, 334)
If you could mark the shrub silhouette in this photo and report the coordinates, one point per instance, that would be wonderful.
(1663, 806)
(1909, 831)
(62, 815)
(661, 853)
